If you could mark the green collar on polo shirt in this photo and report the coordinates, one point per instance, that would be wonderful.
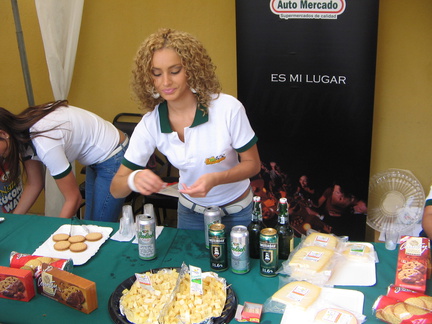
(200, 117)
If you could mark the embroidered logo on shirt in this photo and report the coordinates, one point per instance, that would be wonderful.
(214, 160)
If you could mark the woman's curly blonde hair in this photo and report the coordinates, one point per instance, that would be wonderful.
(200, 70)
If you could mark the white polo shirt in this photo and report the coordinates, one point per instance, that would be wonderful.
(76, 134)
(211, 144)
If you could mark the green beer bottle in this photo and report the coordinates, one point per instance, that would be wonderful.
(284, 230)
(254, 228)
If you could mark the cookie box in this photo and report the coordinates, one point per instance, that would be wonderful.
(16, 284)
(413, 262)
(67, 288)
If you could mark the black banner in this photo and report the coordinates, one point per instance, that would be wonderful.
(306, 75)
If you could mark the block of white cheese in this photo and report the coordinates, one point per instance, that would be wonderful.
(311, 258)
(328, 241)
(300, 294)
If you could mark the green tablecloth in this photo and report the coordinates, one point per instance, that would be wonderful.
(117, 261)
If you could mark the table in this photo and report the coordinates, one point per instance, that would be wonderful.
(117, 261)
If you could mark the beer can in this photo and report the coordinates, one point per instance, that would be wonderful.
(146, 235)
(212, 215)
(218, 247)
(240, 249)
(268, 252)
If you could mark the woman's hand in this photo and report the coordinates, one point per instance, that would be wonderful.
(249, 166)
(147, 182)
(69, 188)
(201, 187)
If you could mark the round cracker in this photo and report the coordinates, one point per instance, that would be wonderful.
(45, 259)
(416, 301)
(389, 315)
(401, 311)
(379, 314)
(34, 263)
(76, 239)
(78, 247)
(415, 310)
(60, 237)
(62, 245)
(427, 300)
(94, 236)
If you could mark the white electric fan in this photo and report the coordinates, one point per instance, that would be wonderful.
(396, 203)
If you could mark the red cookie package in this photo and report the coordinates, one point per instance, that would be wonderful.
(16, 284)
(413, 263)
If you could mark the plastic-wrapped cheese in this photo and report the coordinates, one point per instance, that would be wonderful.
(358, 251)
(321, 239)
(301, 294)
(335, 316)
(314, 258)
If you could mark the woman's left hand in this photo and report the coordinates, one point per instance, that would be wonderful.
(249, 166)
(201, 187)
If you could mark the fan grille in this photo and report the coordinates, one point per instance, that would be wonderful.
(396, 201)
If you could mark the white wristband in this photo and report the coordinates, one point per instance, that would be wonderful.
(130, 181)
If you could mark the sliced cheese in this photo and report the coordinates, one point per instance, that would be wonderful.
(300, 294)
(359, 251)
(313, 258)
(321, 239)
(335, 316)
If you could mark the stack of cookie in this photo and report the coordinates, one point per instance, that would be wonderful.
(395, 311)
(33, 262)
(74, 243)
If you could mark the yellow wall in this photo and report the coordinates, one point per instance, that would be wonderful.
(403, 96)
(112, 30)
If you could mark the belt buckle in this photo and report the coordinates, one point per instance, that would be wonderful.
(238, 206)
(198, 208)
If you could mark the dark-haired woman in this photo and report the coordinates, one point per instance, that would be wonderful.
(55, 135)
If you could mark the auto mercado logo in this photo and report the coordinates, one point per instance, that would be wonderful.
(307, 9)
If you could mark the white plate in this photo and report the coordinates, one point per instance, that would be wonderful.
(79, 258)
(354, 273)
(350, 300)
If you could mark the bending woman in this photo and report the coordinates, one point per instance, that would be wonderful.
(202, 131)
(55, 135)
